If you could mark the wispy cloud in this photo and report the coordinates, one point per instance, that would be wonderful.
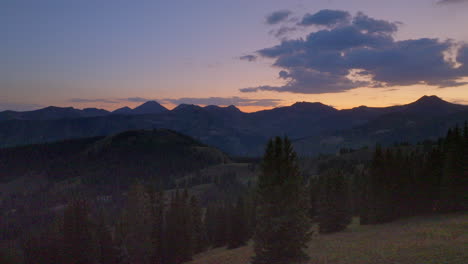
(277, 17)
(248, 57)
(136, 99)
(447, 2)
(19, 106)
(460, 101)
(99, 100)
(225, 101)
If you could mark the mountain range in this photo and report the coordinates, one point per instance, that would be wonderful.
(313, 127)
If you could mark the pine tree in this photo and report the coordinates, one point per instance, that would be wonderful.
(238, 232)
(210, 223)
(199, 240)
(136, 224)
(282, 229)
(108, 250)
(333, 202)
(77, 236)
(157, 224)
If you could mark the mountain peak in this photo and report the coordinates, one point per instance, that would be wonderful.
(230, 108)
(150, 107)
(187, 107)
(312, 106)
(431, 99)
(433, 105)
(123, 110)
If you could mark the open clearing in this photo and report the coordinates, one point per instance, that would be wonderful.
(441, 239)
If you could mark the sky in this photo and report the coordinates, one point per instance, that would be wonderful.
(253, 54)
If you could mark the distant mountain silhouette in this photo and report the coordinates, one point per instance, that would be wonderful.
(314, 127)
(150, 107)
(123, 110)
(432, 105)
(52, 112)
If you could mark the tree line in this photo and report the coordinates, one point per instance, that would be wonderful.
(152, 229)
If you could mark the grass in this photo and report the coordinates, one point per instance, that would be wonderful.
(420, 240)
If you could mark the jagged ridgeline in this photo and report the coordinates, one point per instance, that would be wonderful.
(154, 155)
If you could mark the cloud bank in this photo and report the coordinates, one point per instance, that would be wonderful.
(347, 52)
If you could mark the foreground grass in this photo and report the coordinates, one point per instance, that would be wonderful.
(419, 240)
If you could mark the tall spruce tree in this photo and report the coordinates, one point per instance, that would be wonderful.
(333, 210)
(238, 232)
(157, 223)
(199, 240)
(77, 236)
(283, 225)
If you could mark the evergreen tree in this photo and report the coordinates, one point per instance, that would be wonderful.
(108, 250)
(46, 246)
(178, 234)
(199, 240)
(333, 202)
(221, 226)
(157, 224)
(77, 236)
(136, 224)
(238, 232)
(282, 229)
(314, 190)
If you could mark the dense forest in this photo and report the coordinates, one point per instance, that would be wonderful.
(159, 226)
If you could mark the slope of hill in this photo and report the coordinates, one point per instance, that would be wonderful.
(148, 154)
(37, 181)
(431, 240)
(315, 127)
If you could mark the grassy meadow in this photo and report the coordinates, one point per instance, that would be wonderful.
(441, 239)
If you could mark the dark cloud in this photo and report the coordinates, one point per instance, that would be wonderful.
(282, 31)
(363, 53)
(225, 101)
(309, 81)
(277, 17)
(248, 57)
(83, 100)
(371, 25)
(326, 17)
(409, 62)
(445, 2)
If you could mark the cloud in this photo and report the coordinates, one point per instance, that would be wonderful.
(136, 99)
(326, 17)
(248, 57)
(19, 106)
(84, 100)
(309, 81)
(459, 101)
(371, 25)
(363, 53)
(446, 2)
(225, 101)
(282, 31)
(277, 17)
(111, 100)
